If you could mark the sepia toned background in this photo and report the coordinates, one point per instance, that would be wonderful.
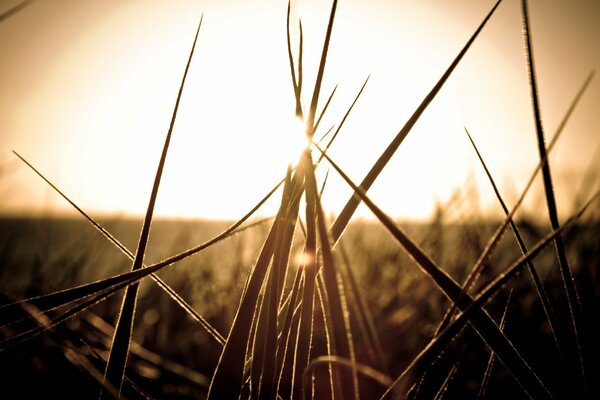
(87, 91)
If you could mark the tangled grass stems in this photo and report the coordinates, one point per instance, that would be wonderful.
(481, 321)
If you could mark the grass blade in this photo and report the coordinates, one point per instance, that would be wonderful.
(228, 376)
(576, 314)
(117, 358)
(344, 118)
(362, 369)
(297, 84)
(309, 267)
(310, 123)
(344, 217)
(325, 108)
(532, 270)
(12, 11)
(490, 364)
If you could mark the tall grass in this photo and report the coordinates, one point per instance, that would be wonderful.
(304, 326)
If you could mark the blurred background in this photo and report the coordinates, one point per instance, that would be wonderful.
(87, 90)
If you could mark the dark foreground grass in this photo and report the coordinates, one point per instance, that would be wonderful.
(178, 357)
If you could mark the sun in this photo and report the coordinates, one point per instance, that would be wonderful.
(288, 140)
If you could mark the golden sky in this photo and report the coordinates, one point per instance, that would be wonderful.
(87, 89)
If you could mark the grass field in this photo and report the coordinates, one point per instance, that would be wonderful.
(176, 358)
(305, 304)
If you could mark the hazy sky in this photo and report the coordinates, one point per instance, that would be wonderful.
(87, 90)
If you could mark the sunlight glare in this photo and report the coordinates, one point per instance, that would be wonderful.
(288, 141)
(303, 259)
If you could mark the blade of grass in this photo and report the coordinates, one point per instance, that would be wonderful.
(490, 363)
(117, 358)
(341, 336)
(12, 11)
(362, 314)
(310, 122)
(362, 369)
(344, 118)
(227, 377)
(344, 217)
(541, 292)
(309, 266)
(325, 108)
(481, 321)
(289, 325)
(264, 361)
(297, 84)
(231, 363)
(333, 377)
(576, 314)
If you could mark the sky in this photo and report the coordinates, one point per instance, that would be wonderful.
(87, 90)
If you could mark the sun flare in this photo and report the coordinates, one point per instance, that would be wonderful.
(288, 141)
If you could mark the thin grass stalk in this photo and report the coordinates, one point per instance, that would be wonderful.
(228, 366)
(296, 83)
(383, 379)
(290, 300)
(335, 383)
(322, 113)
(303, 345)
(490, 364)
(481, 321)
(305, 330)
(300, 73)
(227, 378)
(288, 313)
(444, 388)
(440, 342)
(344, 118)
(254, 345)
(117, 359)
(289, 229)
(344, 217)
(332, 285)
(13, 10)
(267, 361)
(362, 314)
(286, 374)
(310, 122)
(258, 340)
(576, 314)
(541, 292)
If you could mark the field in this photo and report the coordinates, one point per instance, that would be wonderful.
(308, 303)
(174, 358)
